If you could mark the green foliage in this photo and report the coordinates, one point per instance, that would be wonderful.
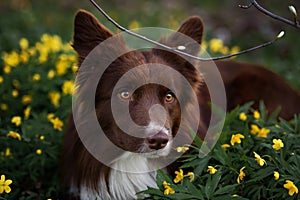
(35, 86)
(229, 160)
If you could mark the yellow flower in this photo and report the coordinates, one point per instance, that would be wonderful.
(241, 175)
(61, 68)
(24, 57)
(277, 144)
(68, 87)
(7, 69)
(72, 58)
(179, 176)
(57, 123)
(134, 24)
(225, 146)
(38, 151)
(36, 77)
(7, 152)
(50, 116)
(182, 149)
(254, 129)
(259, 160)
(17, 120)
(191, 175)
(1, 79)
(23, 43)
(211, 170)
(15, 93)
(215, 45)
(32, 51)
(67, 47)
(291, 187)
(168, 190)
(236, 138)
(27, 112)
(256, 114)
(4, 185)
(4, 107)
(224, 50)
(43, 56)
(42, 137)
(11, 59)
(51, 74)
(263, 132)
(234, 49)
(26, 99)
(243, 116)
(62, 65)
(75, 68)
(276, 175)
(14, 135)
(54, 98)
(53, 43)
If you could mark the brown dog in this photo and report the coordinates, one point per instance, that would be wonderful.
(84, 176)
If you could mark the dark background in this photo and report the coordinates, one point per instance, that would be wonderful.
(222, 19)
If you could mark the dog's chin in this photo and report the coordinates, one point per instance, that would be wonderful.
(146, 152)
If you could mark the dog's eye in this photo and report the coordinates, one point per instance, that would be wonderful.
(125, 95)
(169, 98)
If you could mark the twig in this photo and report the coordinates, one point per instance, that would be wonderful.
(177, 49)
(254, 3)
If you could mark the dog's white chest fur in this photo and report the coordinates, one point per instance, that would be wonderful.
(123, 183)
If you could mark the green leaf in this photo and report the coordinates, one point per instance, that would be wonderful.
(201, 165)
(211, 184)
(220, 155)
(197, 141)
(285, 125)
(182, 196)
(273, 117)
(229, 197)
(225, 190)
(152, 191)
(261, 174)
(193, 190)
(263, 111)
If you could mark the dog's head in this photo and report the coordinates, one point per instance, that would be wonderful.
(145, 90)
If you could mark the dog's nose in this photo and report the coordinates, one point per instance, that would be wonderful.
(158, 140)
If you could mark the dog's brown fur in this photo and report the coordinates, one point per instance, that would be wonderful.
(243, 83)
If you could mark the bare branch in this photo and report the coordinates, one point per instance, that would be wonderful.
(294, 23)
(180, 49)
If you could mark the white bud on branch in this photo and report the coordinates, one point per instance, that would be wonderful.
(280, 35)
(293, 10)
(181, 48)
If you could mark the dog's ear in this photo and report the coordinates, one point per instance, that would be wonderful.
(192, 27)
(189, 35)
(88, 33)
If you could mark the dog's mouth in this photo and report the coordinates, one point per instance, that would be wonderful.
(147, 152)
(158, 142)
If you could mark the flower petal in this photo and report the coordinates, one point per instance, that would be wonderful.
(1, 189)
(7, 189)
(8, 182)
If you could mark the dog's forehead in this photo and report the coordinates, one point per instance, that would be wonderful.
(153, 69)
(139, 64)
